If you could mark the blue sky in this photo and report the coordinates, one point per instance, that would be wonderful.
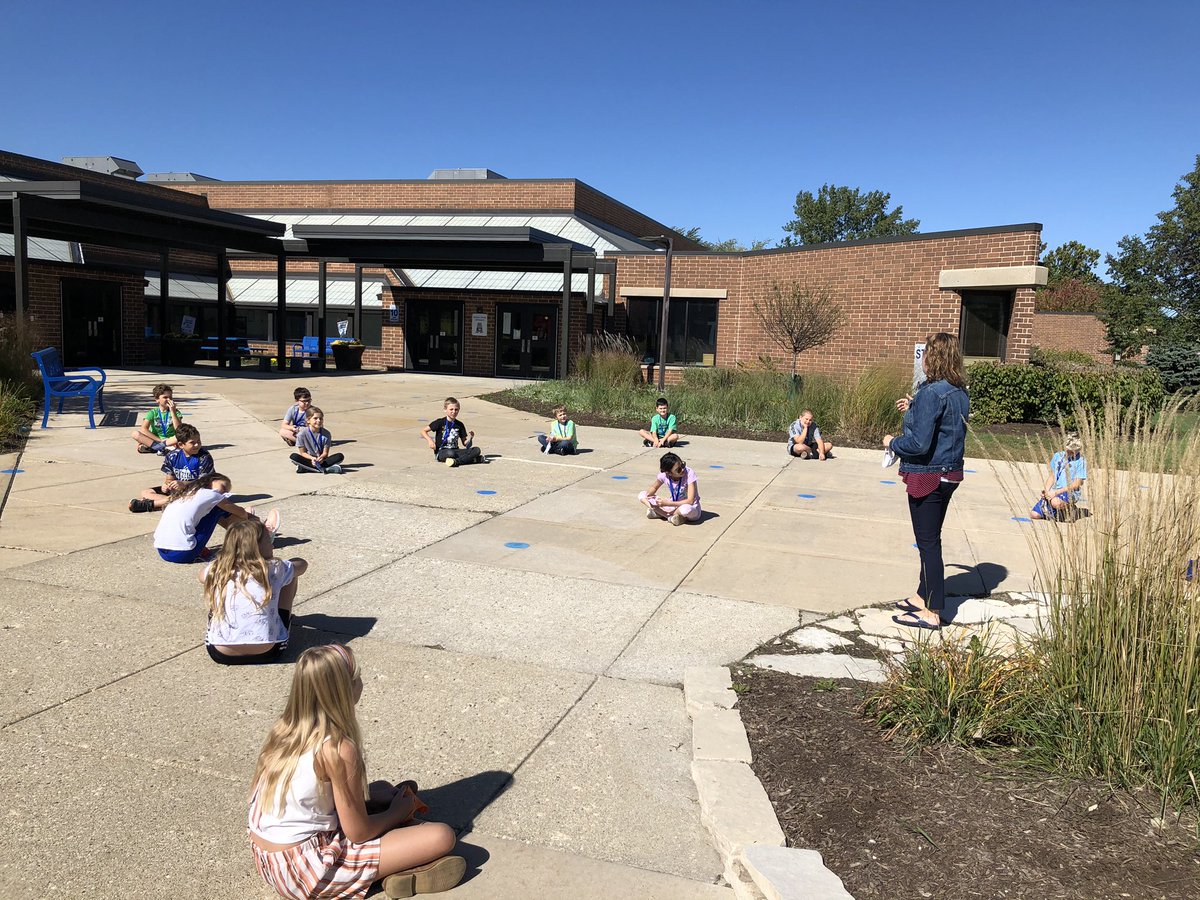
(1082, 116)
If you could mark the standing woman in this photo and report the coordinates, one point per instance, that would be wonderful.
(931, 464)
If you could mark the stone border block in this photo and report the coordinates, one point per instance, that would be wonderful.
(717, 734)
(707, 687)
(734, 807)
(786, 873)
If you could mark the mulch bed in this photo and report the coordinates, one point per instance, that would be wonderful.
(943, 822)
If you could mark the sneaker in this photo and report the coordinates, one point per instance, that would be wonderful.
(676, 519)
(300, 470)
(335, 469)
(650, 513)
(439, 875)
(142, 448)
(140, 505)
(804, 454)
(205, 555)
(159, 447)
(451, 462)
(646, 443)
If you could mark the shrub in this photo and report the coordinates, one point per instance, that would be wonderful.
(1015, 393)
(1178, 364)
(868, 403)
(16, 412)
(613, 361)
(1061, 359)
(18, 340)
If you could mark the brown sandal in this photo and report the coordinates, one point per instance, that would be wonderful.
(431, 878)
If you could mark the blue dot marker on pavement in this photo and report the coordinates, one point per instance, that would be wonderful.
(11, 471)
(620, 478)
(1021, 519)
(517, 545)
(885, 481)
(716, 467)
(807, 496)
(915, 547)
(485, 493)
(969, 471)
(1144, 487)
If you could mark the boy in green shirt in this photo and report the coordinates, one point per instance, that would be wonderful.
(157, 431)
(562, 438)
(662, 427)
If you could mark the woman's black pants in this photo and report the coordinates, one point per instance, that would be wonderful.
(928, 513)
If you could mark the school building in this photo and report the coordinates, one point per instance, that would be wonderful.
(464, 272)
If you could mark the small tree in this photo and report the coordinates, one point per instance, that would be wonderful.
(800, 316)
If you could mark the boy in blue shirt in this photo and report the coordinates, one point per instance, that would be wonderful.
(662, 427)
(296, 417)
(1063, 488)
(185, 462)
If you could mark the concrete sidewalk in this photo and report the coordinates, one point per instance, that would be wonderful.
(523, 631)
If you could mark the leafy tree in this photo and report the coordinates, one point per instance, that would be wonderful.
(800, 316)
(1071, 261)
(1175, 252)
(729, 245)
(839, 213)
(1132, 311)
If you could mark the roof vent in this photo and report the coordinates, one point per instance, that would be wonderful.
(167, 177)
(109, 165)
(464, 175)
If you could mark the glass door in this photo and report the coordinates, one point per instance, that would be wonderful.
(434, 336)
(91, 322)
(526, 340)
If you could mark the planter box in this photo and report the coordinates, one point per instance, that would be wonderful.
(348, 357)
(295, 363)
(179, 353)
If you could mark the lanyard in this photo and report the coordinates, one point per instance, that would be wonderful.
(677, 492)
(320, 440)
(449, 428)
(190, 468)
(662, 428)
(164, 422)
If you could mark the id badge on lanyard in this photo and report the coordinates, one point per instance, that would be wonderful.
(164, 422)
(677, 492)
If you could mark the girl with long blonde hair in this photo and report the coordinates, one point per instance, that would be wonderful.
(311, 830)
(193, 513)
(249, 595)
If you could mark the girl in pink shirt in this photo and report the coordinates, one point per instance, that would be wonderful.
(680, 480)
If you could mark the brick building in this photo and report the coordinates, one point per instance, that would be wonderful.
(503, 321)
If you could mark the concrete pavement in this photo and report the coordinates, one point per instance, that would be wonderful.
(523, 631)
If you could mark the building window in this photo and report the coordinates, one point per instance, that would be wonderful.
(691, 329)
(983, 326)
(8, 294)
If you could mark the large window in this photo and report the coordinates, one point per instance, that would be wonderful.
(983, 328)
(691, 329)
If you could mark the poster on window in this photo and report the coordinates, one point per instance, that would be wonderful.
(187, 325)
(479, 325)
(343, 327)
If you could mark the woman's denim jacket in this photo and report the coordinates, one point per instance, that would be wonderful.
(935, 429)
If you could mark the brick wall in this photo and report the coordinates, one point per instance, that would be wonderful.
(888, 289)
(30, 168)
(1071, 331)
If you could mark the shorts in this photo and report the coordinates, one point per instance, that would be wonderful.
(328, 864)
(250, 659)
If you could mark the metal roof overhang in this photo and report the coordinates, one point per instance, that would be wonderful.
(109, 216)
(446, 247)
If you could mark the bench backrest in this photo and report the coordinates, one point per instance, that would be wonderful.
(311, 344)
(49, 363)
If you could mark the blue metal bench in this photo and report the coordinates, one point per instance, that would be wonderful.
(68, 383)
(234, 347)
(307, 348)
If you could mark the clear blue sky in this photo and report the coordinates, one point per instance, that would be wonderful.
(1082, 116)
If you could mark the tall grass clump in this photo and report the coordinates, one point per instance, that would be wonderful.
(18, 379)
(868, 403)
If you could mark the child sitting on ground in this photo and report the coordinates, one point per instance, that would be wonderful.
(1063, 487)
(449, 439)
(804, 438)
(183, 463)
(157, 431)
(296, 416)
(561, 438)
(249, 595)
(312, 447)
(312, 827)
(662, 427)
(192, 514)
(680, 479)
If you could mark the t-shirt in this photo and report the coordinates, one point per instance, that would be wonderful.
(661, 426)
(296, 416)
(448, 434)
(182, 467)
(177, 528)
(797, 433)
(564, 432)
(1067, 470)
(251, 615)
(678, 489)
(313, 443)
(162, 424)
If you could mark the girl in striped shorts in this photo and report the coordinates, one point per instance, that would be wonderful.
(311, 826)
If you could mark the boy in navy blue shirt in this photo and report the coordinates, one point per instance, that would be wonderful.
(187, 461)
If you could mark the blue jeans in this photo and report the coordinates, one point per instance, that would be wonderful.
(563, 447)
(928, 513)
(204, 530)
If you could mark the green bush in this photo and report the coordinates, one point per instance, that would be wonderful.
(1015, 393)
(1061, 359)
(1178, 364)
(16, 412)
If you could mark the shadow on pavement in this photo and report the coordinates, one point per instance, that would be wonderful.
(460, 802)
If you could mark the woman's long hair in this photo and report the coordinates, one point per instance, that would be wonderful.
(187, 488)
(320, 707)
(943, 359)
(239, 561)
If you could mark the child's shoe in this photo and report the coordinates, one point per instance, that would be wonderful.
(650, 513)
(333, 470)
(158, 447)
(676, 518)
(205, 555)
(140, 505)
(300, 470)
(432, 878)
(451, 462)
(647, 443)
(142, 448)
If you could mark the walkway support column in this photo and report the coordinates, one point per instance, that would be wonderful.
(222, 311)
(321, 268)
(164, 286)
(358, 313)
(281, 312)
(565, 324)
(591, 307)
(21, 255)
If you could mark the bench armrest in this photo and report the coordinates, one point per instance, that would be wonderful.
(103, 375)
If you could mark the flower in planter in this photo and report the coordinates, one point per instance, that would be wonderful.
(354, 342)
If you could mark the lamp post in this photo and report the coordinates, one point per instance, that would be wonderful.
(663, 240)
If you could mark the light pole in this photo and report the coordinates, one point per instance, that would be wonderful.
(663, 240)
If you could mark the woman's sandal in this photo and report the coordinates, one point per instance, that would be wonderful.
(905, 606)
(439, 875)
(912, 620)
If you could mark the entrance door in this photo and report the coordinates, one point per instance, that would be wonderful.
(91, 322)
(526, 340)
(434, 336)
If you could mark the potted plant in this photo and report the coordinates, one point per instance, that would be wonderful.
(180, 349)
(347, 355)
